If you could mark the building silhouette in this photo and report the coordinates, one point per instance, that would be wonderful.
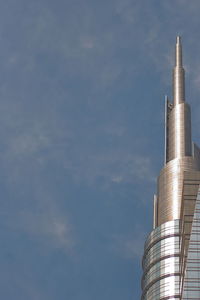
(171, 260)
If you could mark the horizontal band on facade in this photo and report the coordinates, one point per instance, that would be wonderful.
(158, 251)
(169, 227)
(170, 297)
(158, 240)
(146, 270)
(158, 279)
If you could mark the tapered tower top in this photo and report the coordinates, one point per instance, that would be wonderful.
(178, 75)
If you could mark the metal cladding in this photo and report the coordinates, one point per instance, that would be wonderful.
(178, 75)
(171, 261)
(179, 152)
(170, 185)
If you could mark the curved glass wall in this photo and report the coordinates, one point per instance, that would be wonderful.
(161, 263)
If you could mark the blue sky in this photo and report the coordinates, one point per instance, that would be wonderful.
(82, 87)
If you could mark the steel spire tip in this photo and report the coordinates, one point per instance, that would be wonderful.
(178, 39)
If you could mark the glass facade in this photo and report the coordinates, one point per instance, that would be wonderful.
(161, 262)
(191, 281)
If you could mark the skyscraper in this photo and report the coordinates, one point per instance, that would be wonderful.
(171, 261)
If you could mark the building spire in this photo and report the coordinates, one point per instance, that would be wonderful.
(178, 52)
(178, 75)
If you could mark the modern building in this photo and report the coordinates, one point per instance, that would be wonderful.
(171, 261)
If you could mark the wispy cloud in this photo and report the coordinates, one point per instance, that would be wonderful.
(72, 119)
(115, 166)
(51, 228)
(129, 247)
